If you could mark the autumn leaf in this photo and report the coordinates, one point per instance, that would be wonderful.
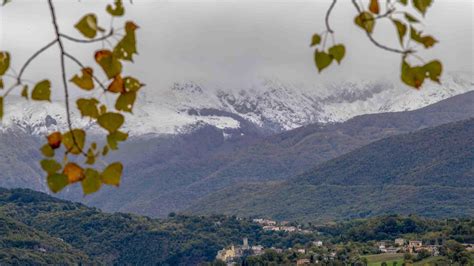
(112, 173)
(4, 62)
(88, 107)
(401, 29)
(111, 121)
(74, 140)
(117, 85)
(54, 140)
(374, 6)
(315, 40)
(114, 138)
(109, 63)
(56, 182)
(50, 166)
(88, 26)
(427, 41)
(47, 151)
(433, 70)
(24, 92)
(91, 182)
(127, 46)
(73, 172)
(85, 82)
(366, 21)
(126, 101)
(132, 84)
(422, 5)
(322, 60)
(42, 91)
(117, 10)
(337, 52)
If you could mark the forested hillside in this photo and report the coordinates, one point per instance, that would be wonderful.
(429, 172)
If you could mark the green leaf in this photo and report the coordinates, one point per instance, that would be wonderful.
(56, 182)
(127, 46)
(337, 52)
(412, 76)
(90, 157)
(88, 26)
(42, 91)
(112, 173)
(111, 121)
(132, 84)
(115, 137)
(366, 21)
(50, 166)
(322, 60)
(105, 150)
(401, 29)
(411, 18)
(68, 138)
(4, 62)
(374, 6)
(47, 151)
(117, 10)
(427, 41)
(91, 182)
(125, 101)
(85, 82)
(1, 108)
(88, 107)
(422, 5)
(404, 2)
(433, 70)
(315, 40)
(109, 63)
(1, 83)
(24, 92)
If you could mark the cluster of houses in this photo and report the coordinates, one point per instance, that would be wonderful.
(232, 253)
(407, 246)
(270, 225)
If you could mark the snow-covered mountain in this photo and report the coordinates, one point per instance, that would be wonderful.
(269, 104)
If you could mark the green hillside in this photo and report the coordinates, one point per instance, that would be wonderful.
(429, 173)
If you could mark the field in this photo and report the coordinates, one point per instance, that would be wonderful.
(376, 260)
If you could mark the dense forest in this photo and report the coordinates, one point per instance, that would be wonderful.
(39, 229)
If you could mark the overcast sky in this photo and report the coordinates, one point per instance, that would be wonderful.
(234, 42)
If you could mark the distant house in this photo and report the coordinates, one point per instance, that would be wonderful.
(288, 228)
(318, 243)
(226, 254)
(271, 228)
(400, 242)
(303, 262)
(392, 250)
(415, 243)
(257, 250)
(301, 250)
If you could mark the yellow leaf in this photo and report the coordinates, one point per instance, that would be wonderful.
(401, 29)
(117, 10)
(42, 91)
(74, 141)
(111, 174)
(88, 26)
(91, 182)
(126, 101)
(315, 40)
(111, 121)
(56, 182)
(427, 41)
(47, 151)
(4, 62)
(24, 92)
(132, 84)
(1, 108)
(337, 52)
(433, 70)
(50, 166)
(88, 107)
(366, 21)
(322, 60)
(85, 82)
(109, 63)
(126, 47)
(114, 138)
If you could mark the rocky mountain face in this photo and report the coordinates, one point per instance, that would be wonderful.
(429, 173)
(271, 106)
(170, 174)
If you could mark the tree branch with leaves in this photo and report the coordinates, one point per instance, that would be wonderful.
(405, 23)
(72, 144)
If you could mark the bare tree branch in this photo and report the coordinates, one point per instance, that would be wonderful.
(328, 13)
(87, 41)
(82, 66)
(376, 43)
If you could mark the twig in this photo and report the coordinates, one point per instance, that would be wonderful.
(82, 66)
(63, 70)
(328, 13)
(33, 57)
(111, 33)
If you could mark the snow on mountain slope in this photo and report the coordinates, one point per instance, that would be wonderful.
(269, 104)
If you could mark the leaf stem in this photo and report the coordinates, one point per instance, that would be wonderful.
(328, 13)
(111, 33)
(74, 59)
